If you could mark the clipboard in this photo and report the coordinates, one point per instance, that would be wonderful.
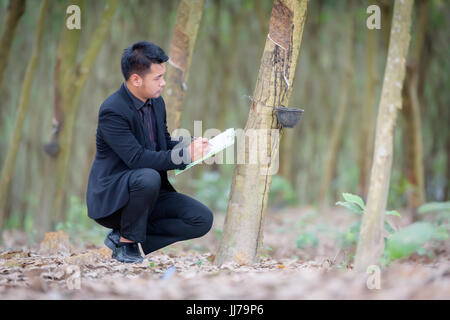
(218, 143)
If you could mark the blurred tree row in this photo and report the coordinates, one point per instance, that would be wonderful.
(338, 82)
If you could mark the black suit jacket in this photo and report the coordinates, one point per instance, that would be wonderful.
(122, 145)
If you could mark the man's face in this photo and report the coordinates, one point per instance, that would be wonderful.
(152, 84)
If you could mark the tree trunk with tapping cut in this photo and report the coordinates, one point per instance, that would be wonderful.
(243, 229)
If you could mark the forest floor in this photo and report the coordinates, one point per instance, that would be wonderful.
(315, 267)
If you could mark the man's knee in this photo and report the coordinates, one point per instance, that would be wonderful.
(146, 180)
(207, 218)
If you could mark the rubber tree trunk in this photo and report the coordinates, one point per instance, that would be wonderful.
(367, 119)
(371, 241)
(188, 18)
(70, 102)
(11, 155)
(338, 123)
(243, 228)
(16, 8)
(413, 120)
(66, 59)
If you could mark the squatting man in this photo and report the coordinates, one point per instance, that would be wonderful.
(128, 190)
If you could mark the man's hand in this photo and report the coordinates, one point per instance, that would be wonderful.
(199, 148)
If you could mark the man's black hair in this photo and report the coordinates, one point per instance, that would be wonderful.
(138, 58)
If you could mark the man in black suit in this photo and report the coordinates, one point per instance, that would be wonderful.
(128, 190)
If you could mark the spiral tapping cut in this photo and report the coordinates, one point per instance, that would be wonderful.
(284, 62)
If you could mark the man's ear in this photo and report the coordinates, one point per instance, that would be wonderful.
(136, 80)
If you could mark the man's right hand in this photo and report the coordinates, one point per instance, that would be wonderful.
(199, 148)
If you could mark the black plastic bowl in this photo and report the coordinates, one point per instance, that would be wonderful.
(289, 117)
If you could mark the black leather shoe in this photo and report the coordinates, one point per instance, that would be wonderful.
(112, 239)
(128, 253)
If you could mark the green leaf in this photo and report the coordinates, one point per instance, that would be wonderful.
(354, 199)
(350, 206)
(434, 207)
(410, 239)
(393, 213)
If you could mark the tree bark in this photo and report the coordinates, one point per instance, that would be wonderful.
(10, 161)
(243, 228)
(188, 18)
(371, 241)
(16, 8)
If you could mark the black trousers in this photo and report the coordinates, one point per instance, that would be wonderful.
(156, 217)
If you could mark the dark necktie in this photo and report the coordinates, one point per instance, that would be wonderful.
(148, 124)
